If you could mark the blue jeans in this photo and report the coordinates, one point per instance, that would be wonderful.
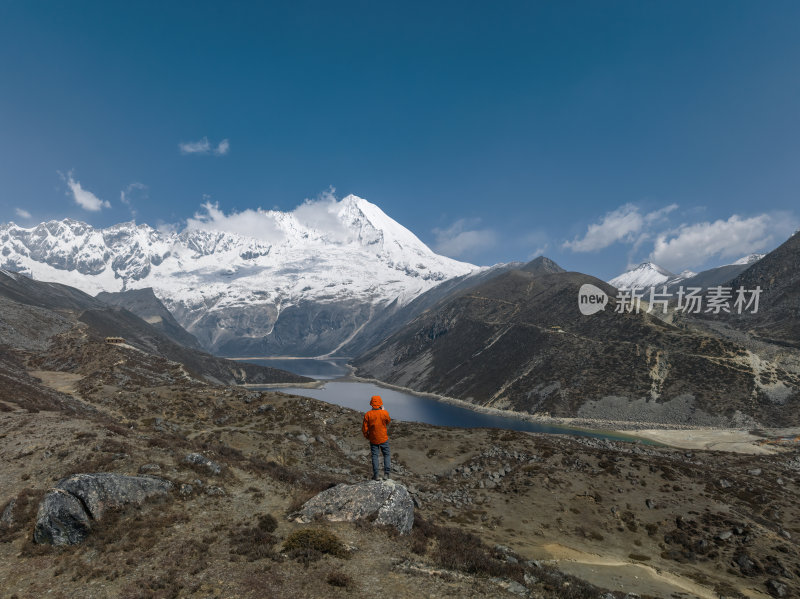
(387, 458)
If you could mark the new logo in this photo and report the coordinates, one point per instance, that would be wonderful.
(591, 299)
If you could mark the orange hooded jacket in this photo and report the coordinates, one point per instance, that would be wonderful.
(375, 422)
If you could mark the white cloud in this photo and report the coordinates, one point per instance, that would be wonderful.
(22, 213)
(133, 193)
(690, 246)
(458, 240)
(257, 224)
(223, 147)
(83, 197)
(195, 147)
(322, 214)
(538, 252)
(204, 146)
(619, 225)
(659, 214)
(626, 224)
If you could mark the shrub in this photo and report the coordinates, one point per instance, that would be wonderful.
(309, 543)
(255, 542)
(337, 578)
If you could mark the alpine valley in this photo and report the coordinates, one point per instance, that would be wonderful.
(136, 465)
(354, 283)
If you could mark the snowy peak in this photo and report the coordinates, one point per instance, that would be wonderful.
(645, 274)
(747, 260)
(230, 276)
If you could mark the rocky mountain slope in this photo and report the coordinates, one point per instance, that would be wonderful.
(58, 320)
(297, 285)
(394, 317)
(519, 342)
(778, 276)
(145, 304)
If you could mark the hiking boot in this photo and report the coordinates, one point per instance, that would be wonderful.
(387, 476)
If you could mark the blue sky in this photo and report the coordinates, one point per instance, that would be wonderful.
(598, 133)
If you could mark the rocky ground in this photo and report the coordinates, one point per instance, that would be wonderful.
(498, 513)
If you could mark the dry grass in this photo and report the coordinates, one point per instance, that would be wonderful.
(255, 542)
(23, 514)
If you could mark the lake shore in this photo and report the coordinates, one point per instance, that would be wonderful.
(690, 437)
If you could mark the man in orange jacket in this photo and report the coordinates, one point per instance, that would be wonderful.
(374, 429)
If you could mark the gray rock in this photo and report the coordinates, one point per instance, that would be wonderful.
(650, 504)
(724, 536)
(388, 501)
(302, 437)
(102, 491)
(215, 491)
(186, 490)
(61, 520)
(754, 472)
(198, 459)
(517, 588)
(7, 517)
(725, 483)
(777, 589)
(785, 534)
(264, 408)
(66, 512)
(147, 468)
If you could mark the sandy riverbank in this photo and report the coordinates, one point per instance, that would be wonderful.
(714, 439)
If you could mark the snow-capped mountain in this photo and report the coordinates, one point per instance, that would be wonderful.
(298, 284)
(747, 260)
(648, 275)
(644, 275)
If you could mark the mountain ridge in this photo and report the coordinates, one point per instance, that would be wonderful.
(335, 263)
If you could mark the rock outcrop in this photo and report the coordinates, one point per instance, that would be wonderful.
(385, 502)
(201, 462)
(66, 513)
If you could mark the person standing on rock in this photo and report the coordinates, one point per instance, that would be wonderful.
(374, 429)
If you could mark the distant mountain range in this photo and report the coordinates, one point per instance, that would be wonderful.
(307, 291)
(647, 275)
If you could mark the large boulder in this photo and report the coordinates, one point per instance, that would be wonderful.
(61, 520)
(66, 512)
(102, 491)
(385, 502)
